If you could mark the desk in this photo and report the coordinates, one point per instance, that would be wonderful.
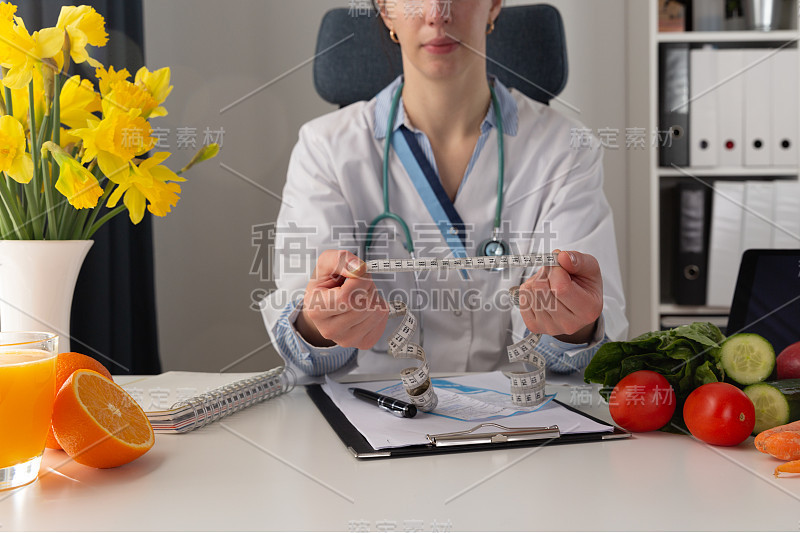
(279, 466)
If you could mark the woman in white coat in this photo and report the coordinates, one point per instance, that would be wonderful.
(328, 315)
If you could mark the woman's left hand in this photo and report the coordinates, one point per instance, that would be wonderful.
(564, 301)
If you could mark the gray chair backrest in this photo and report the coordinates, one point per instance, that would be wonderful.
(355, 58)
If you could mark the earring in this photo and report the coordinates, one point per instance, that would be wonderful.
(490, 27)
(393, 36)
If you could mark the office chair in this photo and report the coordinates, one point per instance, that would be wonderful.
(355, 58)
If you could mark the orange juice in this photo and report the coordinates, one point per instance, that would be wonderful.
(27, 391)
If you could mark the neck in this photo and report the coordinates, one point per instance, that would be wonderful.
(447, 109)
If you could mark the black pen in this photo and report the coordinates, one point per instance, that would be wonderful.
(393, 405)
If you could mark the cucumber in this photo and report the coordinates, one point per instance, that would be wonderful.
(776, 402)
(747, 358)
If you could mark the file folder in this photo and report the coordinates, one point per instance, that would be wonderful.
(674, 103)
(786, 230)
(704, 138)
(729, 95)
(483, 438)
(725, 243)
(692, 246)
(757, 107)
(785, 108)
(668, 223)
(758, 217)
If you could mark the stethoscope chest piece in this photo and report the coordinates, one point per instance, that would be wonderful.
(494, 247)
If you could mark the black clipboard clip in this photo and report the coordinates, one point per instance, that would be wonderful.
(460, 438)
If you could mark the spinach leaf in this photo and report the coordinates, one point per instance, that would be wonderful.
(608, 357)
(704, 374)
(698, 332)
(686, 356)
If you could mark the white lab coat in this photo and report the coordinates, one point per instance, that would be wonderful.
(334, 181)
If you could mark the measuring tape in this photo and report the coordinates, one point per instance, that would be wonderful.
(461, 263)
(416, 381)
(527, 388)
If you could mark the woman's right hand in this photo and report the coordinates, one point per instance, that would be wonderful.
(341, 304)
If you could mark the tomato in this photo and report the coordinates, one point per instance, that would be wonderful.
(720, 414)
(642, 401)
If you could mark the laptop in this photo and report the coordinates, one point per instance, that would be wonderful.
(767, 297)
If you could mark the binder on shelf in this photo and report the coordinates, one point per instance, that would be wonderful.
(758, 217)
(703, 124)
(692, 247)
(674, 103)
(202, 409)
(785, 110)
(757, 107)
(786, 230)
(668, 217)
(729, 93)
(725, 242)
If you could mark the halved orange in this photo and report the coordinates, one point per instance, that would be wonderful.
(98, 424)
(66, 364)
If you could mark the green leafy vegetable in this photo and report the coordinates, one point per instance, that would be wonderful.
(688, 356)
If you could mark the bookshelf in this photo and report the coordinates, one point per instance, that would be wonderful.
(726, 36)
(650, 304)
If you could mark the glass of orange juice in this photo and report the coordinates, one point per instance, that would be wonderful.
(27, 391)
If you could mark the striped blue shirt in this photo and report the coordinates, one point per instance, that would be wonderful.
(312, 360)
(561, 357)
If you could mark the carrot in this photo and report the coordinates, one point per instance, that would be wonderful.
(764, 435)
(792, 467)
(784, 445)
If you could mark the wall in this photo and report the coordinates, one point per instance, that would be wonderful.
(221, 52)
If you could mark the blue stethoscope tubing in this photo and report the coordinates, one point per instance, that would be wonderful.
(491, 246)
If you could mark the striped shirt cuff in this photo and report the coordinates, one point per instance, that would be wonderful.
(565, 358)
(311, 360)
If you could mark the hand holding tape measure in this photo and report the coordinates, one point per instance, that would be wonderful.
(342, 305)
(566, 300)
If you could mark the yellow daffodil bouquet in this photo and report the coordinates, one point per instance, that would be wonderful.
(70, 153)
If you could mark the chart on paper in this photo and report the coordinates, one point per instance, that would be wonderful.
(469, 404)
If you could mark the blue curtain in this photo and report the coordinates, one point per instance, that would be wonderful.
(113, 311)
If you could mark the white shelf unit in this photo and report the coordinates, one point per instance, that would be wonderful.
(646, 305)
(727, 36)
(720, 172)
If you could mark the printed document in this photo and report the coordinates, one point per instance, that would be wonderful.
(464, 402)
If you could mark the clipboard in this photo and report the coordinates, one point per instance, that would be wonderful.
(481, 437)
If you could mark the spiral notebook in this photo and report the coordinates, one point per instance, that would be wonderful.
(179, 402)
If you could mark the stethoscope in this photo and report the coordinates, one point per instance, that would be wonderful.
(491, 246)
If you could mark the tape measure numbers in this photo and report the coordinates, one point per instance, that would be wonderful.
(416, 381)
(527, 387)
(461, 263)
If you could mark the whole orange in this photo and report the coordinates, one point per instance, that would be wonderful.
(98, 423)
(66, 364)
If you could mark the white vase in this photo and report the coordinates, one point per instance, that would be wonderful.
(37, 281)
